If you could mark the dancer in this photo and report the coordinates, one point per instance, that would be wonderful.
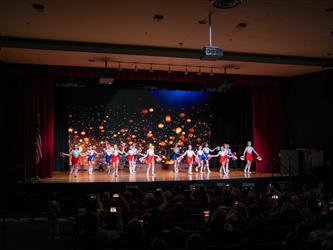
(115, 159)
(223, 159)
(150, 159)
(200, 159)
(75, 154)
(135, 153)
(130, 158)
(91, 155)
(207, 150)
(189, 158)
(108, 151)
(229, 156)
(248, 156)
(175, 155)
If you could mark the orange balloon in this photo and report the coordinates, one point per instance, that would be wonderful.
(151, 110)
(162, 144)
(86, 139)
(190, 135)
(178, 130)
(145, 111)
(160, 125)
(83, 133)
(70, 130)
(188, 120)
(168, 118)
(101, 127)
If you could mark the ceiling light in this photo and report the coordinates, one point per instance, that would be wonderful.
(158, 18)
(38, 7)
(225, 4)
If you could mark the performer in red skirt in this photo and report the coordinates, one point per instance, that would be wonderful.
(150, 159)
(130, 158)
(248, 156)
(190, 156)
(223, 159)
(115, 160)
(75, 154)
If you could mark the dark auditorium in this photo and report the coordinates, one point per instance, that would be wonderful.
(166, 125)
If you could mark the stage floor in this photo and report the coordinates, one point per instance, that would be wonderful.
(161, 175)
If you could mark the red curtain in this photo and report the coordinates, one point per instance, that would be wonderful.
(33, 95)
(36, 81)
(269, 125)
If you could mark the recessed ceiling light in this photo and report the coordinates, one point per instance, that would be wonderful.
(158, 18)
(38, 7)
(241, 25)
(225, 4)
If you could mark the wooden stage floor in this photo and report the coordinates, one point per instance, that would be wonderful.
(161, 175)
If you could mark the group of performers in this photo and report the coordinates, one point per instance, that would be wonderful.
(202, 156)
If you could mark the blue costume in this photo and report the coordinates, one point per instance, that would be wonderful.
(175, 153)
(108, 156)
(91, 156)
(201, 155)
(206, 153)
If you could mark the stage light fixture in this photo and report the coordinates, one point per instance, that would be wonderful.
(106, 75)
(211, 71)
(169, 69)
(186, 72)
(119, 67)
(135, 68)
(199, 71)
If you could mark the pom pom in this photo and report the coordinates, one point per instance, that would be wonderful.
(242, 157)
(61, 154)
(218, 147)
(259, 158)
(234, 158)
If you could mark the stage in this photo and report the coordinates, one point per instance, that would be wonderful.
(161, 175)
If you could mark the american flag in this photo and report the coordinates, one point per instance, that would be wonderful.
(38, 141)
